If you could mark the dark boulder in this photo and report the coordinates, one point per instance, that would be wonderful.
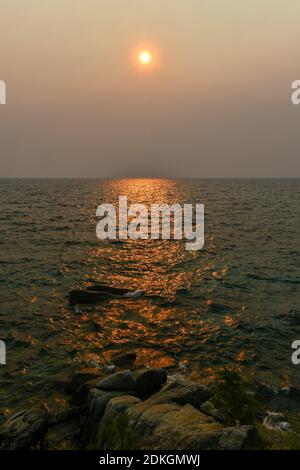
(123, 380)
(92, 413)
(81, 296)
(149, 380)
(108, 289)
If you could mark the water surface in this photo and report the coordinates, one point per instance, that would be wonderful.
(234, 302)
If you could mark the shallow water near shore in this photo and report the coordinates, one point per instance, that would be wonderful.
(236, 301)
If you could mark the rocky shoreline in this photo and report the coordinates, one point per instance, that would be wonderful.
(156, 410)
(124, 405)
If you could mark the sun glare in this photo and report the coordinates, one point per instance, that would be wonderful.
(145, 57)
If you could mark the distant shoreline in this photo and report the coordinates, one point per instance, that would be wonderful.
(203, 178)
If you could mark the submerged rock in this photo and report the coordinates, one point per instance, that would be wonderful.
(123, 358)
(108, 289)
(24, 430)
(81, 296)
(100, 292)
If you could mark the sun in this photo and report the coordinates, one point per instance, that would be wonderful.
(145, 57)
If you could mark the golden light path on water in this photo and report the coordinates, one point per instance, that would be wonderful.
(164, 327)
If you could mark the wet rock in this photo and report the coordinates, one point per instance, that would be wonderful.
(24, 430)
(81, 376)
(109, 289)
(98, 293)
(123, 358)
(149, 380)
(81, 296)
(123, 380)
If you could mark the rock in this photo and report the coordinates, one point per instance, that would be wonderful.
(99, 292)
(81, 394)
(63, 428)
(81, 376)
(92, 413)
(238, 438)
(119, 405)
(168, 425)
(24, 430)
(183, 392)
(62, 416)
(120, 291)
(81, 296)
(190, 429)
(123, 358)
(175, 394)
(209, 409)
(146, 415)
(145, 419)
(123, 380)
(149, 380)
(115, 407)
(182, 428)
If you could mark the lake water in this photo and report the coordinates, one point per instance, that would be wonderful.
(234, 302)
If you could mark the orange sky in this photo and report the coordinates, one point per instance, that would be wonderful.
(215, 101)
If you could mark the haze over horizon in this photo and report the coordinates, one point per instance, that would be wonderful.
(215, 103)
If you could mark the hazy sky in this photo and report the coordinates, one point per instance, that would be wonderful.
(216, 103)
